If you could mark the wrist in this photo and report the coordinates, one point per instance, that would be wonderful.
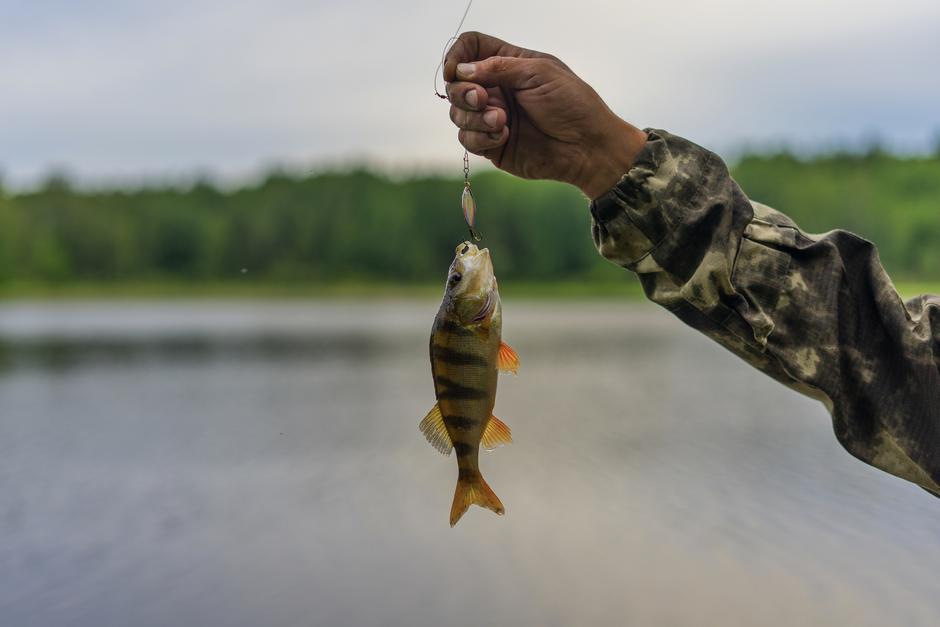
(610, 158)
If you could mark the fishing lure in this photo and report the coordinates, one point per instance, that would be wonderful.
(467, 203)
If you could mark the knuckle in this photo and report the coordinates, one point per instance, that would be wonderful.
(470, 140)
(454, 112)
(543, 65)
(461, 47)
(498, 64)
(494, 139)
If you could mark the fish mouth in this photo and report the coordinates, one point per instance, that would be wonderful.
(467, 254)
(469, 250)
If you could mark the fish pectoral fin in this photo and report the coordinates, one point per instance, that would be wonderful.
(432, 426)
(507, 360)
(496, 434)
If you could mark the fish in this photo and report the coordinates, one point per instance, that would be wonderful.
(467, 353)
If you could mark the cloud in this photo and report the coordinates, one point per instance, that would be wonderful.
(131, 89)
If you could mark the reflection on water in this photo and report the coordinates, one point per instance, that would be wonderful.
(244, 464)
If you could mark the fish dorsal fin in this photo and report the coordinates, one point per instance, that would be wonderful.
(507, 360)
(496, 434)
(432, 426)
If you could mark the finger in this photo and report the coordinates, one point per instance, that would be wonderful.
(480, 143)
(467, 96)
(474, 46)
(490, 121)
(495, 98)
(508, 72)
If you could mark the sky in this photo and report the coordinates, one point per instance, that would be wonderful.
(127, 91)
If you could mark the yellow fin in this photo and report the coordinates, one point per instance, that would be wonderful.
(507, 360)
(432, 426)
(473, 490)
(496, 433)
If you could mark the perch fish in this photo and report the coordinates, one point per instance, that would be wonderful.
(467, 353)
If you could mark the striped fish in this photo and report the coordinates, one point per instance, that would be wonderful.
(466, 355)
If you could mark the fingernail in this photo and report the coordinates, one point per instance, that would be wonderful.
(464, 70)
(498, 135)
(472, 98)
(490, 117)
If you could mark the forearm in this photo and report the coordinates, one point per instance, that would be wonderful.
(817, 313)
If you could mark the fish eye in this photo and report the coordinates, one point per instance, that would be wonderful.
(454, 278)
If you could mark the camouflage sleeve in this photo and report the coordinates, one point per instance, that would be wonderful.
(816, 312)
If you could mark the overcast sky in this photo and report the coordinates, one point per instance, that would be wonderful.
(128, 90)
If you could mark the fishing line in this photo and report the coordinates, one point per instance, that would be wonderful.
(467, 202)
(446, 45)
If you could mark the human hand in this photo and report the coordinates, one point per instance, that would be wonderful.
(531, 116)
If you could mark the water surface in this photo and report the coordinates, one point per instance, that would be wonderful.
(260, 464)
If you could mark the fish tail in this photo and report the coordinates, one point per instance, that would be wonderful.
(472, 489)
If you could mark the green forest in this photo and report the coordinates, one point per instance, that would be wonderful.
(359, 226)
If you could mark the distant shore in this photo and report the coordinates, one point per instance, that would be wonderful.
(629, 288)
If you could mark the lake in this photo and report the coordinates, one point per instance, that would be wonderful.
(245, 463)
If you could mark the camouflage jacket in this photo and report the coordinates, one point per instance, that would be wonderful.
(816, 312)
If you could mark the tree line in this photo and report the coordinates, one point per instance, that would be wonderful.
(362, 226)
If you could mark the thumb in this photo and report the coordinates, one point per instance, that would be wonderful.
(510, 72)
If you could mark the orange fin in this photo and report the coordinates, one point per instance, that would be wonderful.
(432, 426)
(507, 360)
(473, 490)
(496, 434)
